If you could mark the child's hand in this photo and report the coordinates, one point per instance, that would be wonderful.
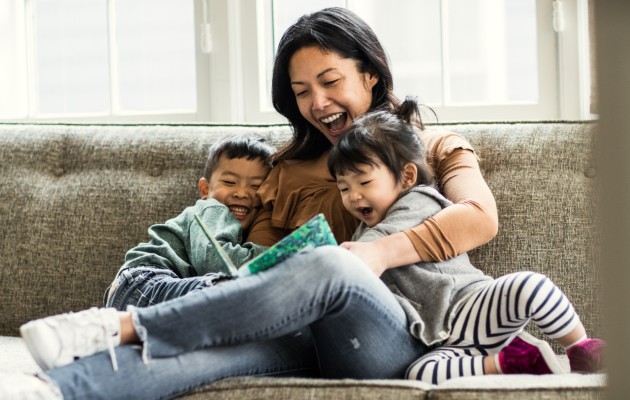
(370, 253)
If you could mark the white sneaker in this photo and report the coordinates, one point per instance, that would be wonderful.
(26, 387)
(59, 340)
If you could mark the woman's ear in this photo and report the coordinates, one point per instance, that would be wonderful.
(204, 188)
(409, 175)
(371, 79)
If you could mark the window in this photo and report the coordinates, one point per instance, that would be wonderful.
(211, 60)
(470, 59)
(99, 58)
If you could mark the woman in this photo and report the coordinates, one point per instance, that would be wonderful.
(330, 69)
(322, 313)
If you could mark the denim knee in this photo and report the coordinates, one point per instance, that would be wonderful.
(340, 264)
(131, 284)
(145, 286)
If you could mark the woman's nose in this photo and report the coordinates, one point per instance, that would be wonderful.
(320, 100)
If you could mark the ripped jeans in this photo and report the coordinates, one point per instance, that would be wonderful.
(147, 286)
(320, 313)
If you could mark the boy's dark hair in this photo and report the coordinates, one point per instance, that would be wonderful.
(390, 137)
(249, 147)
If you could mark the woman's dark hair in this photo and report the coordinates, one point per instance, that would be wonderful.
(249, 147)
(331, 29)
(389, 137)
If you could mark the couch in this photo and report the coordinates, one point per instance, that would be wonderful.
(75, 197)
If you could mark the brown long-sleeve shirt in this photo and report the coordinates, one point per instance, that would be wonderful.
(295, 191)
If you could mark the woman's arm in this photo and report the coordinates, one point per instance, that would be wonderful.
(412, 208)
(470, 222)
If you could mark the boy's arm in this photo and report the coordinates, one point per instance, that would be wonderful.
(180, 245)
(228, 233)
(166, 249)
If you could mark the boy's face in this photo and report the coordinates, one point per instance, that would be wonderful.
(369, 193)
(234, 182)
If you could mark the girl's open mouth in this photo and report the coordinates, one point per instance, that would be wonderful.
(366, 212)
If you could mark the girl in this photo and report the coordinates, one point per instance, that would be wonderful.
(385, 183)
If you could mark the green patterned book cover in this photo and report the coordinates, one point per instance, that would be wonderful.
(315, 232)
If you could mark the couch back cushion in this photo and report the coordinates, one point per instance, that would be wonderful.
(75, 198)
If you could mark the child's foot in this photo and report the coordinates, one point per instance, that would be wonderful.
(26, 387)
(58, 340)
(528, 355)
(587, 356)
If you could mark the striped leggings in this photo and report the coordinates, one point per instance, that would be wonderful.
(489, 319)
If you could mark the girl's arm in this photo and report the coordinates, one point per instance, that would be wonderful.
(470, 222)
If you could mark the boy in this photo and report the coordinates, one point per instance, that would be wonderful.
(179, 257)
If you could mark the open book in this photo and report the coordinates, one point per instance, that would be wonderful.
(315, 232)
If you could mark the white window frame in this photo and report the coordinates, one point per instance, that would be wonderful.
(564, 73)
(202, 78)
(232, 87)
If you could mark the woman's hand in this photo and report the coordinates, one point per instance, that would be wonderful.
(387, 252)
(370, 253)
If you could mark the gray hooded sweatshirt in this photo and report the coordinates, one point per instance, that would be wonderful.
(427, 291)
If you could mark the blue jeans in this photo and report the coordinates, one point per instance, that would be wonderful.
(323, 310)
(146, 286)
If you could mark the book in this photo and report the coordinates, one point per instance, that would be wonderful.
(315, 232)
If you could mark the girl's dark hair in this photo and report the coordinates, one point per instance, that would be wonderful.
(389, 137)
(331, 29)
(249, 147)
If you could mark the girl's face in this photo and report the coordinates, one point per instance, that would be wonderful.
(329, 90)
(369, 193)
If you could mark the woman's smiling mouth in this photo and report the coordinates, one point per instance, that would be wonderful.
(336, 122)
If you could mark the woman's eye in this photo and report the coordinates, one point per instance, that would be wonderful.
(331, 83)
(301, 94)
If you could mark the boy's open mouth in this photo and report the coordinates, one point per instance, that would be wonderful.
(239, 211)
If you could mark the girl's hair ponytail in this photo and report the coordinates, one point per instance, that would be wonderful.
(408, 110)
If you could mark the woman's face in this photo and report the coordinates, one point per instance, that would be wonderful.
(330, 90)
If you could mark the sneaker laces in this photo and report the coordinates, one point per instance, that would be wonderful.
(95, 334)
